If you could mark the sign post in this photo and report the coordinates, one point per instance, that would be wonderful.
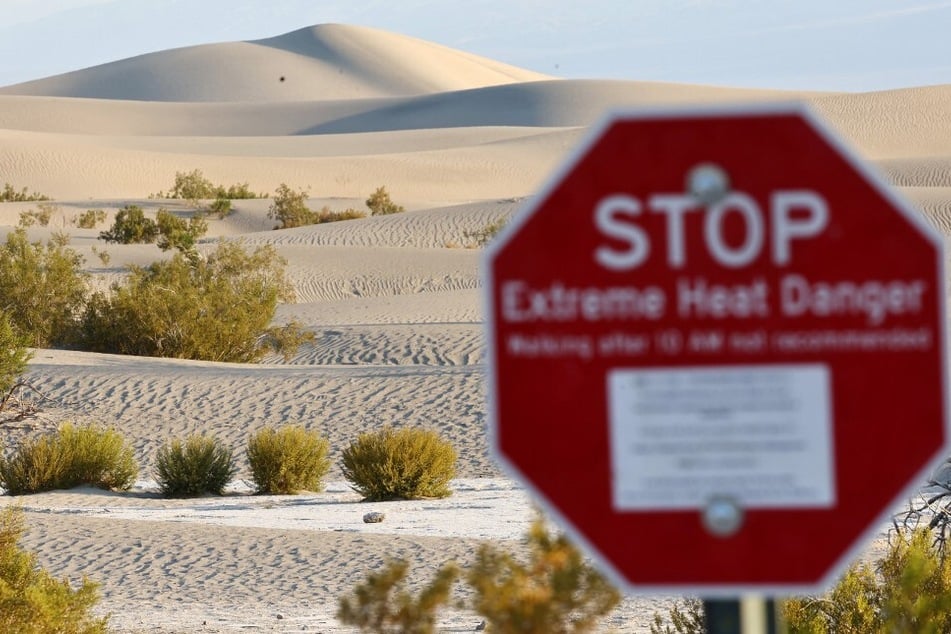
(717, 350)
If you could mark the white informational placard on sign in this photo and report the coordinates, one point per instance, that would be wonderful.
(760, 435)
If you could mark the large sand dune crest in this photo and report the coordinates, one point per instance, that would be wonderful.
(327, 61)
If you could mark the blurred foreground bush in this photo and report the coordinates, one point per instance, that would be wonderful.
(549, 590)
(31, 600)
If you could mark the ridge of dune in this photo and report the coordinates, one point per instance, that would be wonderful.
(326, 61)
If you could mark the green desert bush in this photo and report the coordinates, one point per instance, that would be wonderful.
(90, 218)
(31, 600)
(220, 207)
(380, 204)
(909, 590)
(685, 617)
(39, 464)
(289, 207)
(382, 604)
(400, 464)
(194, 187)
(288, 460)
(215, 309)
(11, 195)
(549, 589)
(197, 466)
(178, 233)
(328, 215)
(41, 215)
(13, 356)
(72, 456)
(131, 226)
(482, 236)
(554, 592)
(99, 457)
(43, 288)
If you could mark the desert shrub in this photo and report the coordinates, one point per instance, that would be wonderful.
(39, 464)
(238, 191)
(380, 204)
(13, 355)
(199, 465)
(400, 464)
(70, 457)
(215, 309)
(909, 590)
(382, 604)
(328, 215)
(554, 592)
(479, 238)
(42, 288)
(220, 207)
(288, 460)
(41, 215)
(90, 218)
(11, 195)
(103, 255)
(131, 226)
(98, 457)
(192, 186)
(31, 600)
(686, 617)
(290, 208)
(177, 233)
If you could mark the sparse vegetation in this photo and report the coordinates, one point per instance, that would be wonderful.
(288, 460)
(71, 457)
(220, 207)
(215, 309)
(198, 466)
(481, 237)
(42, 288)
(400, 464)
(380, 204)
(11, 195)
(554, 592)
(41, 215)
(177, 233)
(289, 207)
(382, 604)
(102, 254)
(90, 218)
(193, 187)
(328, 215)
(131, 226)
(31, 600)
(685, 617)
(13, 355)
(909, 590)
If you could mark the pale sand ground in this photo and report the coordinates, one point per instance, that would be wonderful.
(458, 140)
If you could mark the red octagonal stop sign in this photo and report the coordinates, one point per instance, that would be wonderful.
(717, 349)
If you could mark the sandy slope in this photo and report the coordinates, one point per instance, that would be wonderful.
(393, 301)
(311, 63)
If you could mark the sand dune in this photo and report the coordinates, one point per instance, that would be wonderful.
(393, 301)
(321, 62)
